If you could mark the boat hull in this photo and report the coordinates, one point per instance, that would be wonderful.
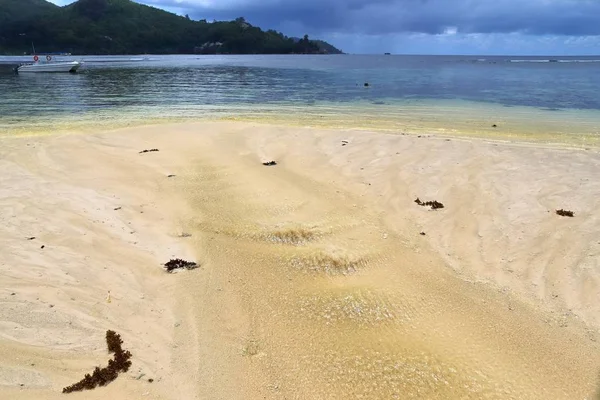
(71, 66)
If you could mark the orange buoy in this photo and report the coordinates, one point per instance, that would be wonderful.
(35, 58)
(48, 57)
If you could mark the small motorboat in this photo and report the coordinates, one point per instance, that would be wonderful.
(49, 66)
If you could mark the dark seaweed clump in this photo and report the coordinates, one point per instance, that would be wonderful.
(433, 204)
(565, 213)
(178, 263)
(148, 151)
(269, 163)
(103, 376)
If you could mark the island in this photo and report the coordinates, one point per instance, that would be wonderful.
(126, 27)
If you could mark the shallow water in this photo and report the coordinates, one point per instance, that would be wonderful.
(530, 98)
(339, 306)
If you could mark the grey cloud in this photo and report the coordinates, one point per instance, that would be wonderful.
(379, 17)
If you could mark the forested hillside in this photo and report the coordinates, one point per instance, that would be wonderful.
(126, 27)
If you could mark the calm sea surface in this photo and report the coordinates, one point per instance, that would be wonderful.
(536, 98)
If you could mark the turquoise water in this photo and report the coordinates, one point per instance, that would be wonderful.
(533, 97)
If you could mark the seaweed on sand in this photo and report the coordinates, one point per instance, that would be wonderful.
(565, 213)
(103, 376)
(433, 204)
(178, 263)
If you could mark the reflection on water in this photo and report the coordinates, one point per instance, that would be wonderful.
(315, 90)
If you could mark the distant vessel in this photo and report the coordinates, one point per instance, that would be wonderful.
(387, 54)
(49, 66)
(64, 66)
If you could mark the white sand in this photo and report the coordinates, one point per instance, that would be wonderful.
(497, 300)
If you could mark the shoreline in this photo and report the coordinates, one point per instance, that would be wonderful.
(89, 128)
(443, 118)
(307, 267)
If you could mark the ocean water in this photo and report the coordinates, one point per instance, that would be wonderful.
(529, 98)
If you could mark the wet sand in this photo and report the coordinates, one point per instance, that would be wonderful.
(315, 282)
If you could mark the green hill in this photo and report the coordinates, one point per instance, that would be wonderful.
(19, 10)
(126, 27)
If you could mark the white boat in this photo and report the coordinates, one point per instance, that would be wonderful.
(60, 66)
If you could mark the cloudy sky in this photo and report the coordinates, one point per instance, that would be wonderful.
(537, 27)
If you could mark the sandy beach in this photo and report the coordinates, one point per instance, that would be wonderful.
(319, 277)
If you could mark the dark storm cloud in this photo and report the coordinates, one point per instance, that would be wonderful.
(535, 17)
